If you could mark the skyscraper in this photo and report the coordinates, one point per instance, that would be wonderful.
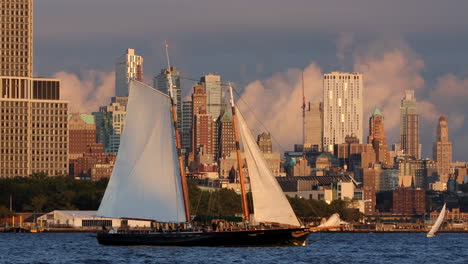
(203, 133)
(110, 122)
(17, 38)
(198, 98)
(34, 125)
(226, 140)
(342, 107)
(128, 66)
(377, 137)
(215, 95)
(161, 83)
(409, 125)
(313, 126)
(442, 150)
(186, 126)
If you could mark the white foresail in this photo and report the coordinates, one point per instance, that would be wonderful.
(269, 202)
(145, 182)
(437, 223)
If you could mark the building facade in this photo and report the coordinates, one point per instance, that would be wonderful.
(442, 150)
(94, 164)
(128, 66)
(186, 126)
(82, 132)
(33, 119)
(342, 107)
(203, 133)
(409, 201)
(264, 142)
(17, 38)
(409, 125)
(110, 121)
(377, 138)
(215, 95)
(226, 139)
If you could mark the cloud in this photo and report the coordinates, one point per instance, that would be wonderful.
(87, 91)
(276, 103)
(344, 46)
(388, 71)
(389, 67)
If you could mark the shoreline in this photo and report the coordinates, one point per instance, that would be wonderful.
(95, 230)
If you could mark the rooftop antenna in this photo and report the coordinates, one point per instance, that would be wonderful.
(167, 55)
(169, 75)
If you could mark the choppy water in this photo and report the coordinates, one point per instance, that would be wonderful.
(322, 248)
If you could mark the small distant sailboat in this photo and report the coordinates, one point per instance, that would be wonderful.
(438, 222)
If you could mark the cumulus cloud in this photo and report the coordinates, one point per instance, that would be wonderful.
(277, 101)
(389, 68)
(388, 72)
(87, 91)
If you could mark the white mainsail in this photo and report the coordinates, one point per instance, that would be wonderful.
(269, 202)
(437, 223)
(145, 182)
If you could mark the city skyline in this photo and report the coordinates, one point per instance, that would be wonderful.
(426, 64)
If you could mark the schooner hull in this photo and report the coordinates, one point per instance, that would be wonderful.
(245, 238)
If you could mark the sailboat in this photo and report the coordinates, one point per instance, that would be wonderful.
(438, 222)
(148, 182)
(334, 223)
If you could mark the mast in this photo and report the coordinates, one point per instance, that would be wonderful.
(245, 207)
(177, 135)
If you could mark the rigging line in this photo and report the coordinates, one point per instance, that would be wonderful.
(257, 119)
(208, 205)
(198, 204)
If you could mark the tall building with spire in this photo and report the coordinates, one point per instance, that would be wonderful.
(161, 83)
(442, 150)
(34, 126)
(377, 137)
(409, 125)
(128, 66)
(342, 108)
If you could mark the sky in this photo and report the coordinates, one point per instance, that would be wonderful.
(262, 46)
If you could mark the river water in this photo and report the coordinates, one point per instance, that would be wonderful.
(322, 248)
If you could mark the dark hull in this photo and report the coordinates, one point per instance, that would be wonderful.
(245, 238)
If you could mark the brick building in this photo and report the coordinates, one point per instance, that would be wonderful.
(82, 132)
(94, 164)
(409, 201)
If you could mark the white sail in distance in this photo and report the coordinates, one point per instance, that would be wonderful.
(334, 220)
(269, 201)
(437, 223)
(145, 182)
